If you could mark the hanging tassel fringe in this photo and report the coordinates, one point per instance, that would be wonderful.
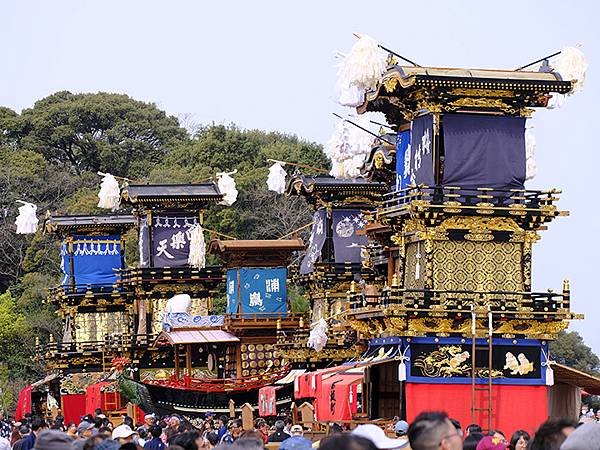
(27, 220)
(110, 193)
(276, 178)
(197, 255)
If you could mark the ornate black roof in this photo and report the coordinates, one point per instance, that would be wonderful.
(326, 189)
(406, 91)
(64, 225)
(175, 195)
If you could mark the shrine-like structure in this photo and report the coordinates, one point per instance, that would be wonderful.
(457, 228)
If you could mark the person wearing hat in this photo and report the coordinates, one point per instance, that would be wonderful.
(297, 441)
(149, 421)
(123, 434)
(52, 440)
(401, 428)
(376, 435)
(85, 430)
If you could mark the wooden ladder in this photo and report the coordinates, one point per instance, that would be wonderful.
(486, 403)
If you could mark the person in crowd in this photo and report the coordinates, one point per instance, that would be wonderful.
(72, 430)
(334, 428)
(346, 441)
(585, 437)
(16, 435)
(551, 434)
(473, 428)
(297, 441)
(261, 426)
(491, 443)
(24, 432)
(37, 426)
(279, 435)
(52, 440)
(172, 426)
(209, 415)
(401, 428)
(190, 440)
(207, 427)
(85, 430)
(234, 430)
(499, 435)
(433, 430)
(471, 441)
(519, 440)
(5, 428)
(155, 442)
(211, 440)
(123, 434)
(149, 421)
(378, 437)
(221, 426)
(142, 436)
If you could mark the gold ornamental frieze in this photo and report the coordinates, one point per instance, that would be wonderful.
(466, 92)
(474, 223)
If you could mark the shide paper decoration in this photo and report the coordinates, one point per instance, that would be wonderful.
(27, 220)
(110, 193)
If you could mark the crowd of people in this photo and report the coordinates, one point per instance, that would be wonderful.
(428, 431)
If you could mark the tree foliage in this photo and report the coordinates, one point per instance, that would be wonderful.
(569, 349)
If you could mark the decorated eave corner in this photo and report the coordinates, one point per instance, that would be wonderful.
(417, 268)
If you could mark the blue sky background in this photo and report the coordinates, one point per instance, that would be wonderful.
(270, 65)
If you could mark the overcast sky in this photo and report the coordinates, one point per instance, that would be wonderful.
(270, 65)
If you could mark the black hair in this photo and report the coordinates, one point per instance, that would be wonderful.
(549, 435)
(473, 428)
(213, 438)
(38, 423)
(428, 430)
(346, 441)
(155, 431)
(186, 440)
(471, 441)
(516, 436)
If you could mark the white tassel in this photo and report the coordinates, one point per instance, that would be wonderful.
(530, 165)
(347, 148)
(27, 221)
(110, 193)
(572, 66)
(402, 371)
(360, 71)
(226, 186)
(318, 336)
(418, 265)
(197, 255)
(276, 178)
(549, 375)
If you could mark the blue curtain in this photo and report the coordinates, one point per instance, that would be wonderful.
(402, 157)
(347, 244)
(263, 290)
(316, 241)
(95, 259)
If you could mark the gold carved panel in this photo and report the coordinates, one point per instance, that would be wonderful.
(415, 266)
(95, 326)
(478, 266)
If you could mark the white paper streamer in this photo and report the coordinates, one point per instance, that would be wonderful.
(530, 165)
(227, 187)
(276, 178)
(572, 66)
(197, 255)
(318, 335)
(27, 220)
(110, 193)
(348, 147)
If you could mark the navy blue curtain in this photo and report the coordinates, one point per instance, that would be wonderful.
(316, 241)
(171, 240)
(484, 151)
(347, 244)
(421, 151)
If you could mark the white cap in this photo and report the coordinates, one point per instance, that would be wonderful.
(123, 432)
(378, 437)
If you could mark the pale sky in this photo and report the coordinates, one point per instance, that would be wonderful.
(270, 65)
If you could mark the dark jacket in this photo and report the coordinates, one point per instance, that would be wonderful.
(278, 436)
(155, 444)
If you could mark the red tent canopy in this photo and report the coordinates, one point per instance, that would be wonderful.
(337, 396)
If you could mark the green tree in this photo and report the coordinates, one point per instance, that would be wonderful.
(569, 349)
(100, 132)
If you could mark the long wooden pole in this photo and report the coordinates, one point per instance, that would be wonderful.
(297, 165)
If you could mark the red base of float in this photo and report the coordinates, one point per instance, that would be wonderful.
(514, 407)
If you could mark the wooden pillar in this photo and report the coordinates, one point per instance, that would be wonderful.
(176, 350)
(238, 360)
(188, 360)
(231, 409)
(247, 416)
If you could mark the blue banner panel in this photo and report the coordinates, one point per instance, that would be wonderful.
(347, 244)
(95, 259)
(420, 161)
(262, 291)
(448, 360)
(484, 151)
(402, 159)
(171, 240)
(316, 241)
